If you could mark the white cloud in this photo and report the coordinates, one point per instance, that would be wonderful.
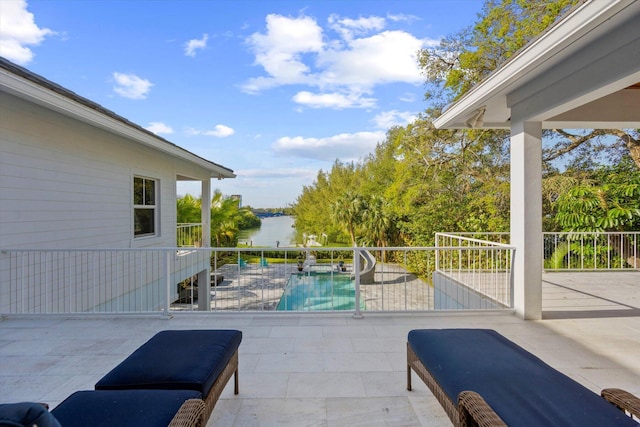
(345, 146)
(388, 119)
(279, 50)
(277, 173)
(18, 30)
(192, 45)
(386, 57)
(131, 86)
(340, 69)
(348, 28)
(159, 128)
(333, 100)
(408, 97)
(219, 131)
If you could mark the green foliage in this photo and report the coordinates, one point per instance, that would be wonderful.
(247, 219)
(188, 209)
(227, 218)
(421, 180)
(609, 201)
(464, 59)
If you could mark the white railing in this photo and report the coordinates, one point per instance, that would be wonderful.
(474, 270)
(591, 251)
(189, 235)
(564, 251)
(245, 279)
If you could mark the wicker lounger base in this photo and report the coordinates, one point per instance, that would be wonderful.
(230, 370)
(471, 409)
(191, 413)
(414, 363)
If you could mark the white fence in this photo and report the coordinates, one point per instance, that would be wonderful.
(591, 251)
(189, 235)
(473, 273)
(167, 280)
(563, 251)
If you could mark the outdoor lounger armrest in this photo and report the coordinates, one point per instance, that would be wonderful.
(191, 413)
(623, 400)
(475, 411)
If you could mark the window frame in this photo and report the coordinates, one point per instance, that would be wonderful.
(147, 204)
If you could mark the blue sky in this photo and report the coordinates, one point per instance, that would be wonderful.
(275, 90)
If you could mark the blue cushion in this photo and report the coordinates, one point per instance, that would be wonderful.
(26, 414)
(121, 408)
(521, 388)
(175, 360)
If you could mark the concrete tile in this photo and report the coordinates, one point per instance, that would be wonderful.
(324, 384)
(290, 362)
(355, 362)
(282, 412)
(373, 411)
(323, 344)
(379, 384)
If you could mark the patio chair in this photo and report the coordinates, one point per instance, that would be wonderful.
(153, 408)
(482, 379)
(264, 262)
(199, 360)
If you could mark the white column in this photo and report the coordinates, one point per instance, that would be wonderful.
(526, 217)
(205, 213)
(204, 277)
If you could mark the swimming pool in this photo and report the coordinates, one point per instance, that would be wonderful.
(318, 291)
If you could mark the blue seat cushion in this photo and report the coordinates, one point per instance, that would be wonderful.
(26, 414)
(175, 360)
(521, 388)
(123, 408)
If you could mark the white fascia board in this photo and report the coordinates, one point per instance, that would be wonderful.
(33, 92)
(522, 67)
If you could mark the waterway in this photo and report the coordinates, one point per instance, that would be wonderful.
(274, 231)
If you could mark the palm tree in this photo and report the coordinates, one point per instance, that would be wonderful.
(347, 210)
(224, 220)
(375, 223)
(188, 210)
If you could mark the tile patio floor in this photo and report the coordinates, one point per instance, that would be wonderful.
(332, 369)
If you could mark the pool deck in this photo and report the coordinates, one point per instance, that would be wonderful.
(328, 369)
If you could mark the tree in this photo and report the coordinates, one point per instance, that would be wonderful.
(188, 210)
(609, 200)
(347, 211)
(464, 59)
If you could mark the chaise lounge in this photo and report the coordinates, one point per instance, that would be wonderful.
(482, 379)
(197, 360)
(123, 408)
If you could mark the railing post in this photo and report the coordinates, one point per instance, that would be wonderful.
(356, 266)
(512, 278)
(167, 288)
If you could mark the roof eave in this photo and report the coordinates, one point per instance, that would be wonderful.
(491, 93)
(93, 114)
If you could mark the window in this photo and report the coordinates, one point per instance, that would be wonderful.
(144, 206)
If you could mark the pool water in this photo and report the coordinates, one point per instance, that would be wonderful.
(317, 291)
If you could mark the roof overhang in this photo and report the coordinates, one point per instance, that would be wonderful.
(583, 72)
(33, 88)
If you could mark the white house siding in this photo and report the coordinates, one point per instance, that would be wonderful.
(66, 184)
